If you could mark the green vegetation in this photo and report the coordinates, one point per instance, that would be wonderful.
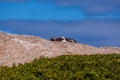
(69, 67)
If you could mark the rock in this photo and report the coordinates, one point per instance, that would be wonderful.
(18, 49)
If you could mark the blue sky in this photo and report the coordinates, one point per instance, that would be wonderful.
(37, 11)
(92, 22)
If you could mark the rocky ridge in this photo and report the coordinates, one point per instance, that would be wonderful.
(17, 49)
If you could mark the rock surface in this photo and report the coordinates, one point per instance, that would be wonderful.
(23, 48)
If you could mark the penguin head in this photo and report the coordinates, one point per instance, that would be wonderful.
(53, 39)
(61, 38)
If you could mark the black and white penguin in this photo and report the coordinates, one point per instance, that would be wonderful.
(53, 39)
(71, 40)
(61, 39)
(65, 39)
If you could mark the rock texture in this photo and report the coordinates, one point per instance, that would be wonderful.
(23, 48)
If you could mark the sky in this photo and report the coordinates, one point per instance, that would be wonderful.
(92, 22)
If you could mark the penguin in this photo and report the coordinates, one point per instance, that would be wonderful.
(53, 39)
(71, 40)
(61, 39)
(65, 39)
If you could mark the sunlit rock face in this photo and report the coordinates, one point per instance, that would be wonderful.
(17, 49)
